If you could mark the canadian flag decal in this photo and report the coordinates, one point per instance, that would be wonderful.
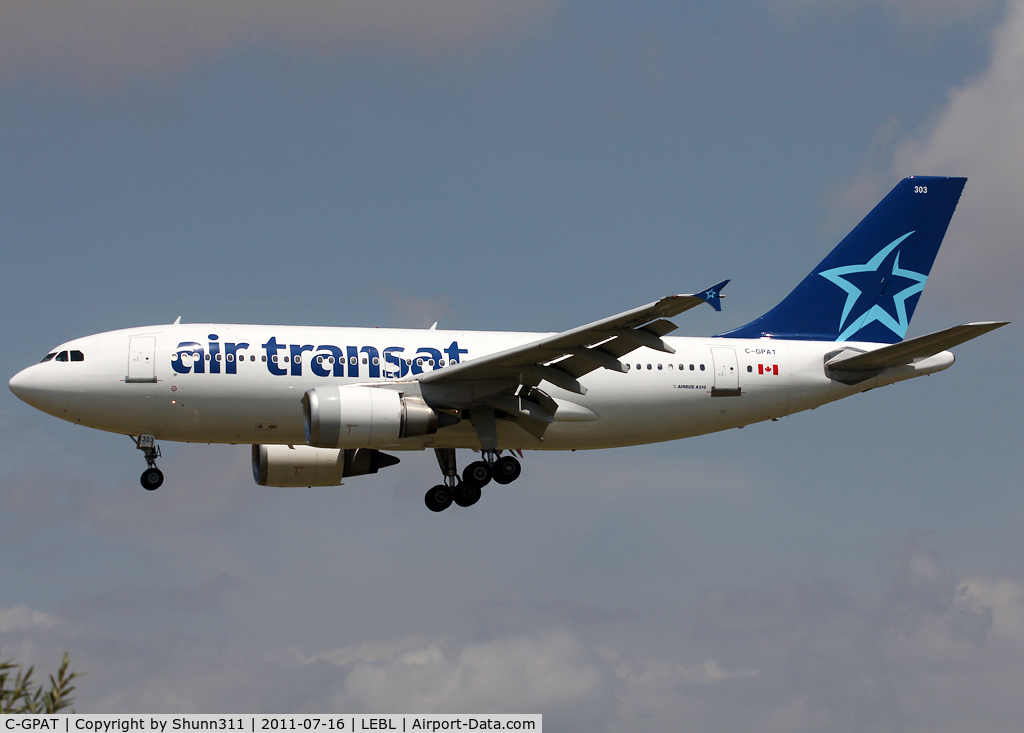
(768, 369)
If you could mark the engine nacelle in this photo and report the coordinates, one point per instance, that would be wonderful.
(365, 417)
(303, 465)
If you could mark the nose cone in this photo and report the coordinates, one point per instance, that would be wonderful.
(23, 384)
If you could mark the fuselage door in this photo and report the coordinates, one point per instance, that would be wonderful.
(141, 359)
(727, 372)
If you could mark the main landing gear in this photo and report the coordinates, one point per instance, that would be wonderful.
(152, 477)
(466, 491)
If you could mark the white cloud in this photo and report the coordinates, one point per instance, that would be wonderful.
(23, 619)
(106, 41)
(978, 134)
(546, 671)
(978, 594)
(932, 654)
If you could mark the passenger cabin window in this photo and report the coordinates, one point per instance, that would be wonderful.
(62, 356)
(77, 356)
(49, 356)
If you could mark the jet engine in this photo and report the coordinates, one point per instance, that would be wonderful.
(303, 465)
(366, 417)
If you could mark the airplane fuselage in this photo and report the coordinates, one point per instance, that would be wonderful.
(218, 383)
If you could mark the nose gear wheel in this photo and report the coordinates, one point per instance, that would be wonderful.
(152, 478)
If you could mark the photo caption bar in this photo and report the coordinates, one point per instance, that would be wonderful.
(261, 723)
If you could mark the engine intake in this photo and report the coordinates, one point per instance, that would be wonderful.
(303, 465)
(366, 417)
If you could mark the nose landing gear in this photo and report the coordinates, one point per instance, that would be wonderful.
(466, 491)
(152, 477)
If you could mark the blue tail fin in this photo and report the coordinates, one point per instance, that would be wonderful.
(868, 286)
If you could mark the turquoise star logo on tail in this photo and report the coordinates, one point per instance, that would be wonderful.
(898, 324)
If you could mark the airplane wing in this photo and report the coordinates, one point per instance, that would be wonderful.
(563, 358)
(560, 359)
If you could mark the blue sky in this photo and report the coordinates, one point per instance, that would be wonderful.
(525, 165)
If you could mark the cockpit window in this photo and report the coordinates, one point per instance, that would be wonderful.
(49, 356)
(77, 356)
(62, 356)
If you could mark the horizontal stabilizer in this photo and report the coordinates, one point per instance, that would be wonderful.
(915, 349)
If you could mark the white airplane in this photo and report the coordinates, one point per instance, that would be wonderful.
(321, 404)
